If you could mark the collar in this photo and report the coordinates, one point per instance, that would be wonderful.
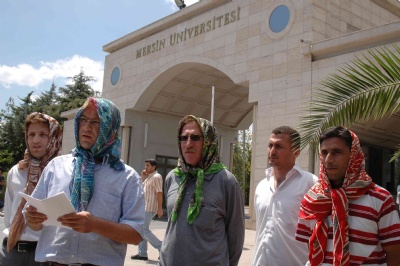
(210, 176)
(269, 172)
(152, 174)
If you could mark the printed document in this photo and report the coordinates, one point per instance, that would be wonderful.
(54, 207)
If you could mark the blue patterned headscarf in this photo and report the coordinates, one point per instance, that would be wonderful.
(107, 148)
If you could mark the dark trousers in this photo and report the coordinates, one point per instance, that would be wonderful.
(15, 258)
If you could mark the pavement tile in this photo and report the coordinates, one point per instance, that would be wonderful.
(245, 259)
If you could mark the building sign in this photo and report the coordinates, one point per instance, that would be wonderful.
(187, 33)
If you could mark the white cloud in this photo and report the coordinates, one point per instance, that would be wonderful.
(60, 70)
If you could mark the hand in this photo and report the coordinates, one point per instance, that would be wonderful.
(33, 218)
(81, 222)
(160, 212)
(144, 172)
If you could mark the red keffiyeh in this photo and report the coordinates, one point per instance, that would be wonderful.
(322, 201)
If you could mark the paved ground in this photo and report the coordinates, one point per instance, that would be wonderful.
(158, 228)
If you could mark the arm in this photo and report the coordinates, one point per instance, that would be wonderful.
(392, 254)
(84, 222)
(235, 221)
(33, 218)
(144, 175)
(388, 230)
(398, 195)
(8, 200)
(158, 188)
(159, 199)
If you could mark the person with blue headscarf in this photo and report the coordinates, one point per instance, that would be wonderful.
(106, 194)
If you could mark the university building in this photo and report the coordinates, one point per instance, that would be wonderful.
(264, 58)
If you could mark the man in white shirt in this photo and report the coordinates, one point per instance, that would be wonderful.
(43, 138)
(277, 202)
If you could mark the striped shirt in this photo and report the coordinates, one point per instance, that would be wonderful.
(373, 222)
(151, 186)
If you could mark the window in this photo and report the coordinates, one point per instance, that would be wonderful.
(279, 18)
(115, 75)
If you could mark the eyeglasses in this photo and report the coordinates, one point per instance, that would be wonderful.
(83, 121)
(184, 138)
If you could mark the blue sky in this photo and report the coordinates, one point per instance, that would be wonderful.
(42, 41)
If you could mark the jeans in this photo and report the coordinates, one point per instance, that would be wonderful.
(148, 236)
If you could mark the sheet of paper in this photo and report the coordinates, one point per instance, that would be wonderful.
(54, 207)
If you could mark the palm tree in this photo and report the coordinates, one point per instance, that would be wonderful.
(363, 89)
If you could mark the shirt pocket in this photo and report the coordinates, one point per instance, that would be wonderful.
(106, 206)
(286, 214)
(207, 219)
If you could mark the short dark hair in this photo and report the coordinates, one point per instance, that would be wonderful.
(152, 162)
(337, 132)
(294, 135)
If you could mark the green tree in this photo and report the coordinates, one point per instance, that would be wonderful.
(241, 158)
(47, 103)
(368, 87)
(73, 96)
(12, 118)
(12, 133)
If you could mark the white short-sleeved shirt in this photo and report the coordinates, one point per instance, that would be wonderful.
(151, 186)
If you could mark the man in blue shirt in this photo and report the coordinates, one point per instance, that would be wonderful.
(106, 194)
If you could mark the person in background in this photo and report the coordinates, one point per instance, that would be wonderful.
(398, 196)
(277, 202)
(106, 193)
(152, 186)
(43, 136)
(346, 218)
(2, 183)
(204, 202)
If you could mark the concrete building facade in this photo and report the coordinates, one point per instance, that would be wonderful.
(264, 58)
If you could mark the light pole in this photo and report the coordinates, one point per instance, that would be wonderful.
(212, 104)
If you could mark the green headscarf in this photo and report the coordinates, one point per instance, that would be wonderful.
(209, 164)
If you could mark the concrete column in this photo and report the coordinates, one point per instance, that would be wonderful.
(125, 143)
(251, 223)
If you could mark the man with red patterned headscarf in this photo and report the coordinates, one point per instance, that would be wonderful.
(346, 218)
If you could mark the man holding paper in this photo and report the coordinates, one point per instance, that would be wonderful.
(106, 194)
(43, 137)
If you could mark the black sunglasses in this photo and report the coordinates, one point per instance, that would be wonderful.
(192, 137)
